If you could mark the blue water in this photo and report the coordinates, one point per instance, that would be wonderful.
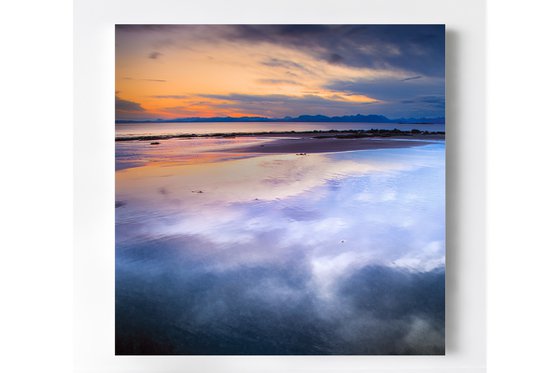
(340, 253)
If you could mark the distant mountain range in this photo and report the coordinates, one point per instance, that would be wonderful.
(359, 118)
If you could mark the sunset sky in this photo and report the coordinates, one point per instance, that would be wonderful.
(176, 71)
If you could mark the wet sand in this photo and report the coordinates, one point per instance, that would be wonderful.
(310, 144)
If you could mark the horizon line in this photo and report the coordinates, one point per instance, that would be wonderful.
(302, 117)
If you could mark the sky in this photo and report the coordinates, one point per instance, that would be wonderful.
(178, 71)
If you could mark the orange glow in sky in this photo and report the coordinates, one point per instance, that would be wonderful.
(202, 71)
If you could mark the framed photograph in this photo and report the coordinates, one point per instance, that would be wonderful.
(264, 205)
(279, 187)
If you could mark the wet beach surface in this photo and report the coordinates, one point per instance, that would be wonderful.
(221, 249)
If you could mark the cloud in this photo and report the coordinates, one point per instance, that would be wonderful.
(174, 97)
(413, 48)
(390, 89)
(143, 28)
(131, 110)
(437, 102)
(392, 65)
(238, 100)
(285, 64)
(412, 78)
(416, 49)
(410, 97)
(335, 58)
(278, 81)
(125, 106)
(179, 111)
(284, 105)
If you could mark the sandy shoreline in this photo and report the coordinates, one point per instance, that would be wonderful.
(313, 142)
(325, 145)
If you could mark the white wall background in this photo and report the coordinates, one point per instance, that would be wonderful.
(36, 184)
(94, 175)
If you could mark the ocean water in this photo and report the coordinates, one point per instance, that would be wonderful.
(163, 128)
(326, 254)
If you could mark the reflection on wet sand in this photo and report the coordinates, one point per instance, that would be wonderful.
(234, 253)
(230, 181)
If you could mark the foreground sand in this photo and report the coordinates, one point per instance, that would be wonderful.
(309, 144)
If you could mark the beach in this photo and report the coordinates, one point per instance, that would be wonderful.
(313, 143)
(280, 244)
(249, 144)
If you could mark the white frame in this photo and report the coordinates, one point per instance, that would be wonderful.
(94, 176)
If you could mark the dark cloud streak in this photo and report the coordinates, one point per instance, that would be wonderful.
(278, 81)
(127, 106)
(417, 49)
(412, 78)
(412, 48)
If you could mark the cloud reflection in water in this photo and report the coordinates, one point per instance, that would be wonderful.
(337, 253)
